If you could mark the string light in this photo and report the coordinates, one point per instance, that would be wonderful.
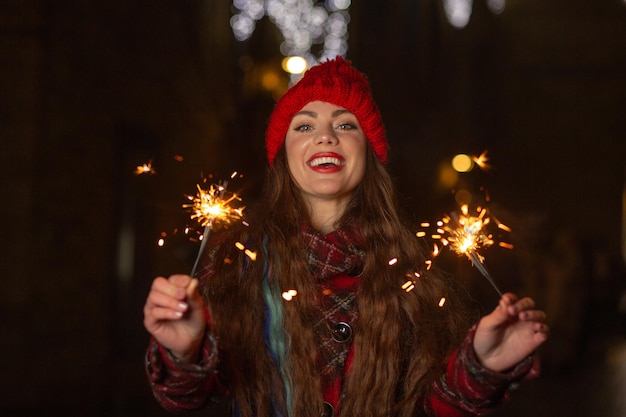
(303, 23)
(459, 12)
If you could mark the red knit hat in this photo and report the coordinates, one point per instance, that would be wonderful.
(336, 82)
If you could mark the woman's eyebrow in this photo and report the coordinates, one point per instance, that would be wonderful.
(313, 114)
(306, 113)
(339, 112)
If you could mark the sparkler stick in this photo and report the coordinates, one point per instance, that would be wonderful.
(483, 270)
(465, 234)
(205, 237)
(210, 208)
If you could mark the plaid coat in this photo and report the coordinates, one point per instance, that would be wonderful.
(464, 389)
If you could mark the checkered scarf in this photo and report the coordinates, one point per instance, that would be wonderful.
(338, 253)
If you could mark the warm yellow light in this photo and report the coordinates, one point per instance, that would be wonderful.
(294, 64)
(270, 80)
(288, 295)
(462, 163)
(463, 197)
(448, 177)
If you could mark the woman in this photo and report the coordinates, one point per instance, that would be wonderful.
(350, 341)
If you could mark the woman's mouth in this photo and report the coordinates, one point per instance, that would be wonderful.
(326, 162)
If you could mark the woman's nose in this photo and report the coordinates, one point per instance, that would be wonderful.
(327, 135)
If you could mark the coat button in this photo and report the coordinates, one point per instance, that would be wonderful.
(329, 410)
(341, 332)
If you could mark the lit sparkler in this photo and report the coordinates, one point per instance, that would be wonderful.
(481, 161)
(466, 234)
(210, 208)
(145, 169)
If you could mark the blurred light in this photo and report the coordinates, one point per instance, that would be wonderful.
(288, 295)
(270, 80)
(303, 23)
(497, 6)
(338, 4)
(408, 286)
(294, 64)
(462, 163)
(482, 161)
(458, 12)
(463, 197)
(447, 176)
(242, 26)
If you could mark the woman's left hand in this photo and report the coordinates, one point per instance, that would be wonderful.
(510, 333)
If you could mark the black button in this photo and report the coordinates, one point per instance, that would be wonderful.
(329, 410)
(342, 332)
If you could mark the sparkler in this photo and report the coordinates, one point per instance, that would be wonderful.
(466, 234)
(210, 208)
(481, 161)
(146, 168)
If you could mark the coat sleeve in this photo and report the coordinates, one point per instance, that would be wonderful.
(181, 386)
(469, 389)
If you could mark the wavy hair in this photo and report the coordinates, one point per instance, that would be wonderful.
(402, 339)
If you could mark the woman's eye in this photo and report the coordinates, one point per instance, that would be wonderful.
(303, 128)
(346, 126)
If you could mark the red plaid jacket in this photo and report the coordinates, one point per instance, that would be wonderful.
(464, 389)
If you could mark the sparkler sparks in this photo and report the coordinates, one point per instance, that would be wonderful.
(466, 234)
(145, 169)
(481, 161)
(289, 295)
(212, 208)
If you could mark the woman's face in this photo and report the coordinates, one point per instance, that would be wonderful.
(326, 150)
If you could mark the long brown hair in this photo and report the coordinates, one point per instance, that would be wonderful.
(402, 338)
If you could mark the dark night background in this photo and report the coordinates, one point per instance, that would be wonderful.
(90, 90)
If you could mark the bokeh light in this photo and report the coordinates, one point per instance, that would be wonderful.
(294, 65)
(462, 163)
(463, 197)
(448, 177)
(496, 6)
(458, 12)
(303, 23)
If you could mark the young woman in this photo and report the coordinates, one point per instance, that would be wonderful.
(350, 340)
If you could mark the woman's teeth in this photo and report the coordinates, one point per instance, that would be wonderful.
(326, 161)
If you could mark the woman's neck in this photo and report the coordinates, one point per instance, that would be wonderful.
(324, 214)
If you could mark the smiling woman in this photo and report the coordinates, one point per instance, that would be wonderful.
(330, 326)
(325, 148)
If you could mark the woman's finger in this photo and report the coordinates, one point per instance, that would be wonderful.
(159, 314)
(532, 315)
(159, 299)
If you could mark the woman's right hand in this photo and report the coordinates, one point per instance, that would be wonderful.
(174, 315)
